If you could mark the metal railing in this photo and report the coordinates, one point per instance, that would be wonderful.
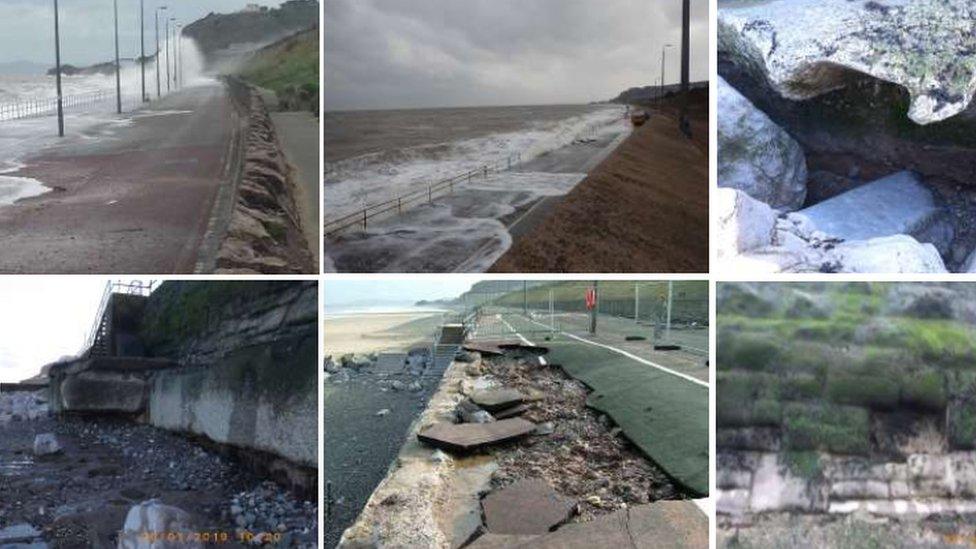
(438, 189)
(32, 108)
(134, 287)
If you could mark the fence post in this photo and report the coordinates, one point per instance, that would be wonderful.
(430, 196)
(364, 219)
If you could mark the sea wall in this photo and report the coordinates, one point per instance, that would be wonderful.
(231, 363)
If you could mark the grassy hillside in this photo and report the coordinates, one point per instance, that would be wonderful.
(290, 68)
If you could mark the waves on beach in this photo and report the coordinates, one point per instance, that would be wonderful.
(370, 178)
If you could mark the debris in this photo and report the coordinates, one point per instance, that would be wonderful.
(46, 444)
(635, 338)
(383, 412)
(513, 411)
(468, 436)
(153, 517)
(415, 387)
(667, 347)
(529, 506)
(543, 429)
(398, 385)
(494, 400)
(464, 356)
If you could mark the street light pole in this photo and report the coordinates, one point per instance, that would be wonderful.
(57, 68)
(664, 48)
(167, 54)
(159, 92)
(118, 75)
(142, 46)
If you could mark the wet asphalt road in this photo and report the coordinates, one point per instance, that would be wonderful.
(134, 195)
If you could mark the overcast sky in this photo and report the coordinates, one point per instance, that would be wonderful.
(436, 53)
(43, 319)
(27, 27)
(350, 293)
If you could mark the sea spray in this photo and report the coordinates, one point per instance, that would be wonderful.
(375, 177)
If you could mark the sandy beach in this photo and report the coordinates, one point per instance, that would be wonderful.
(374, 332)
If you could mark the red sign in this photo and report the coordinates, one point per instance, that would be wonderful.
(590, 298)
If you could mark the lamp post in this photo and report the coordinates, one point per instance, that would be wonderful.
(159, 92)
(167, 53)
(57, 68)
(142, 46)
(118, 76)
(663, 50)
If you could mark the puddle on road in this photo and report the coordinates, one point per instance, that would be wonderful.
(13, 188)
(461, 513)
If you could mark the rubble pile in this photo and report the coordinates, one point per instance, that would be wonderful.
(23, 406)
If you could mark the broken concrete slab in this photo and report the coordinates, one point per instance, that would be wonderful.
(499, 541)
(490, 347)
(897, 204)
(512, 411)
(464, 437)
(662, 524)
(668, 524)
(494, 400)
(529, 506)
(469, 412)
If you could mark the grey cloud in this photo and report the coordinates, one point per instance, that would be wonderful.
(386, 53)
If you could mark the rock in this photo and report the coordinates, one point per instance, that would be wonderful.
(744, 223)
(897, 204)
(331, 366)
(415, 387)
(774, 488)
(46, 444)
(497, 399)
(543, 429)
(383, 412)
(18, 533)
(805, 48)
(755, 155)
(890, 254)
(153, 517)
(398, 385)
(469, 412)
(464, 356)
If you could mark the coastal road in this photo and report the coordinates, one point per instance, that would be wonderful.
(131, 195)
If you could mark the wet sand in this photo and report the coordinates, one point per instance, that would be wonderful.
(374, 332)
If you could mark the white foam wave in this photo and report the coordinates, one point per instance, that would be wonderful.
(353, 183)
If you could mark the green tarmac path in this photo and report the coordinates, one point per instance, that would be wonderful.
(662, 411)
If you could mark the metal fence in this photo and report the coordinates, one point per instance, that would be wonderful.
(133, 287)
(361, 218)
(33, 108)
(665, 312)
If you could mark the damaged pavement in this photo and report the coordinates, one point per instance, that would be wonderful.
(507, 453)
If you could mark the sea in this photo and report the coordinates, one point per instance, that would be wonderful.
(372, 156)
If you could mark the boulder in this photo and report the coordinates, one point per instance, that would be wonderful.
(896, 204)
(46, 444)
(755, 155)
(744, 223)
(805, 48)
(891, 254)
(153, 518)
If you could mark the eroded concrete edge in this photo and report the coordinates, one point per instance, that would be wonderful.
(418, 503)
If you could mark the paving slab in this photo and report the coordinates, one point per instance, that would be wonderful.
(462, 437)
(512, 411)
(672, 524)
(896, 204)
(499, 541)
(529, 506)
(494, 400)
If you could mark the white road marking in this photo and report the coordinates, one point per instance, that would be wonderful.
(622, 352)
